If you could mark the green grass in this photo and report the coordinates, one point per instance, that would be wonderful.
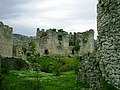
(61, 76)
(26, 80)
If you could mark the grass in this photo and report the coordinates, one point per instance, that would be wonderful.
(27, 80)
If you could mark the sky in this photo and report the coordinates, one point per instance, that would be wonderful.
(25, 16)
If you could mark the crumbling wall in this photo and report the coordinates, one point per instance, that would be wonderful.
(86, 42)
(6, 41)
(60, 43)
(22, 47)
(108, 26)
(52, 42)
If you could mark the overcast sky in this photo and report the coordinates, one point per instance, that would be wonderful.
(27, 15)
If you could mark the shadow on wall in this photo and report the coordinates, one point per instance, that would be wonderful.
(14, 64)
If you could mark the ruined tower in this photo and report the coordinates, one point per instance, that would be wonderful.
(85, 41)
(6, 41)
(52, 42)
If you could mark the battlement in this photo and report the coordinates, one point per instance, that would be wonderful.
(43, 32)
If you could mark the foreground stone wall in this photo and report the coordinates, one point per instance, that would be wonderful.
(89, 71)
(6, 41)
(108, 26)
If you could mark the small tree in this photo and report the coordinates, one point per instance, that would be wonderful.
(33, 58)
(76, 48)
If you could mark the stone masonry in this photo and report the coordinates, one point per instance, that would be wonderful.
(54, 42)
(6, 41)
(108, 46)
(89, 71)
(21, 46)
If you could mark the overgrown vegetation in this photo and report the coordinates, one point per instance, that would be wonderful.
(55, 64)
(56, 74)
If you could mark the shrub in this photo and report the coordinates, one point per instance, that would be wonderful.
(66, 68)
(48, 64)
(56, 72)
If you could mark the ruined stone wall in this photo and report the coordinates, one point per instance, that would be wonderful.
(22, 47)
(85, 41)
(60, 43)
(108, 26)
(6, 41)
(52, 43)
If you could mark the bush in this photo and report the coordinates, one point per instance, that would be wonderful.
(52, 64)
(36, 67)
(56, 72)
(14, 64)
(22, 64)
(48, 64)
(66, 68)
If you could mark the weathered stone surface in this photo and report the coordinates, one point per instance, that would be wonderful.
(56, 43)
(6, 41)
(64, 44)
(108, 52)
(89, 71)
(21, 47)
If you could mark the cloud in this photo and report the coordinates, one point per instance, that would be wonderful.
(71, 15)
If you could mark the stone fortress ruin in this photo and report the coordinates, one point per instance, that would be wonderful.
(51, 42)
(54, 42)
(102, 62)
